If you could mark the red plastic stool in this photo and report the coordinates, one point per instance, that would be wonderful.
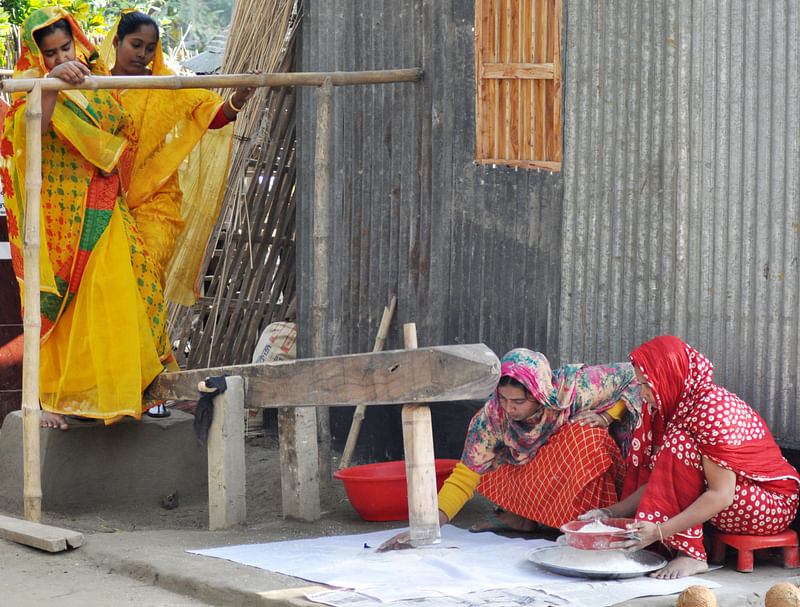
(745, 544)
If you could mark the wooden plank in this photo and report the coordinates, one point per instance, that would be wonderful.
(540, 92)
(526, 88)
(513, 56)
(226, 462)
(480, 85)
(491, 51)
(521, 70)
(434, 374)
(555, 130)
(37, 535)
(529, 164)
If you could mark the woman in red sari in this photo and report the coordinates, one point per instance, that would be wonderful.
(699, 454)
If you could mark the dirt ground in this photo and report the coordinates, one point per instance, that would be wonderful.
(264, 507)
(263, 501)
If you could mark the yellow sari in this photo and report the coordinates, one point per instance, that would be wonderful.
(103, 315)
(175, 214)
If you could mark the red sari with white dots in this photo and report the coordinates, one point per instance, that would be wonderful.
(693, 418)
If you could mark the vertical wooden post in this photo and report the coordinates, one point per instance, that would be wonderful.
(299, 472)
(304, 433)
(322, 232)
(423, 504)
(226, 461)
(32, 484)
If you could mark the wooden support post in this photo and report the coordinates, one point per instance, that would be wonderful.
(423, 504)
(226, 462)
(32, 483)
(299, 471)
(321, 238)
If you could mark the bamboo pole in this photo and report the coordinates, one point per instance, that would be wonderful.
(358, 414)
(15, 85)
(32, 483)
(321, 237)
(423, 504)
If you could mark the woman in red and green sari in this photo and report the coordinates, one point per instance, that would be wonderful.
(103, 337)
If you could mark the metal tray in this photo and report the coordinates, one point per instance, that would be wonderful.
(551, 559)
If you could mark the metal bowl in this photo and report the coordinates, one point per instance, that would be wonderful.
(556, 559)
(600, 540)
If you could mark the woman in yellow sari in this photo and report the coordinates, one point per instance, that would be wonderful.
(169, 124)
(103, 337)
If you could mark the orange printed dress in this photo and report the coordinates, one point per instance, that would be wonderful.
(103, 337)
(544, 468)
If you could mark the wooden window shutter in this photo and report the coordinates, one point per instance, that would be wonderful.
(518, 83)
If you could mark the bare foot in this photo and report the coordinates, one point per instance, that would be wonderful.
(680, 566)
(505, 521)
(52, 420)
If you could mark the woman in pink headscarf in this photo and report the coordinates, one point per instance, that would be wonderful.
(699, 454)
(547, 446)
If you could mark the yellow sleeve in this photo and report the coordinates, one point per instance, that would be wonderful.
(457, 490)
(618, 410)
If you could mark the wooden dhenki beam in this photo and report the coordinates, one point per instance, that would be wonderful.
(392, 377)
(32, 493)
(425, 375)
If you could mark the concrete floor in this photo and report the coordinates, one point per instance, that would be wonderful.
(138, 557)
(152, 568)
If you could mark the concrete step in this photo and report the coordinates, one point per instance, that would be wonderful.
(92, 466)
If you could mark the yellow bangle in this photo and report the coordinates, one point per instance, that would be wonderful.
(660, 535)
(233, 107)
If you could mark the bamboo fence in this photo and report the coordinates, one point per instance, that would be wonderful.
(249, 271)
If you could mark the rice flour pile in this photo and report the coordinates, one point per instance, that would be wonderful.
(617, 561)
(598, 527)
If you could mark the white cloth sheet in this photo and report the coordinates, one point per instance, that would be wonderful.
(457, 571)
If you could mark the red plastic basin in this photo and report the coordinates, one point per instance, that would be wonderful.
(378, 492)
(595, 541)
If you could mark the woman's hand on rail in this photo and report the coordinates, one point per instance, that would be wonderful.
(237, 101)
(73, 72)
(243, 93)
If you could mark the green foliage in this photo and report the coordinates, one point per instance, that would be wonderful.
(89, 13)
(184, 23)
(189, 23)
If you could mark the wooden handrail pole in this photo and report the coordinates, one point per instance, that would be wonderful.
(32, 483)
(414, 74)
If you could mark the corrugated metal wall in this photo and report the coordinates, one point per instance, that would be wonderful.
(471, 251)
(681, 169)
(676, 211)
